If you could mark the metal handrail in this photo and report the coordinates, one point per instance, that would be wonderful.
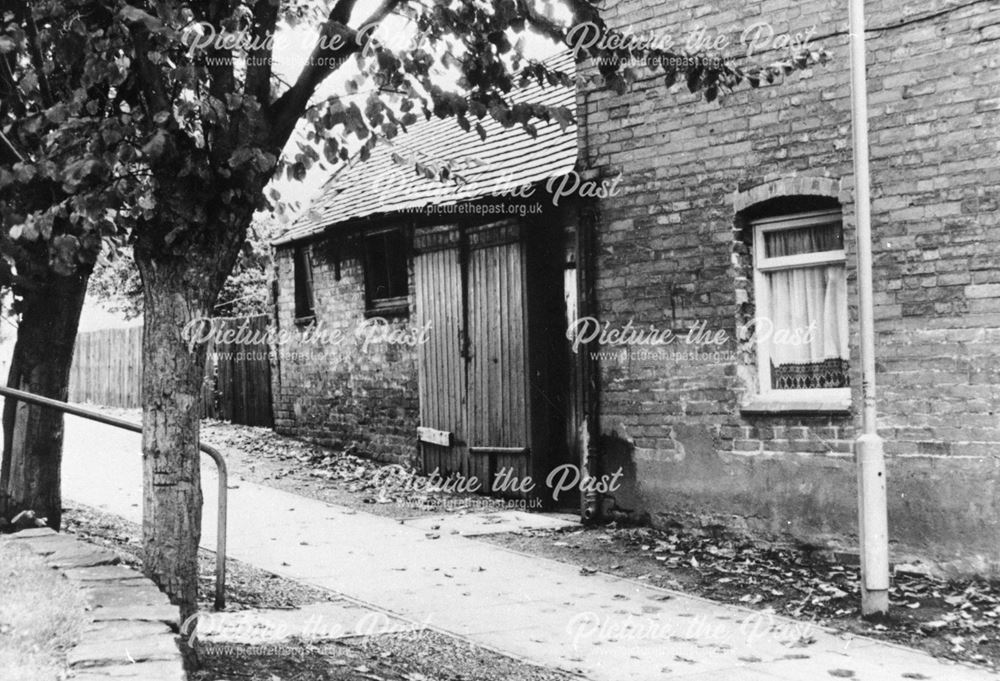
(220, 463)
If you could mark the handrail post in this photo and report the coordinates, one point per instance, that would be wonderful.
(220, 533)
(220, 463)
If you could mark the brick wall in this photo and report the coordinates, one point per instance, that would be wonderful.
(343, 394)
(671, 253)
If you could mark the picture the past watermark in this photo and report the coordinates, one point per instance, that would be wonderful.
(632, 340)
(744, 41)
(591, 332)
(753, 630)
(396, 480)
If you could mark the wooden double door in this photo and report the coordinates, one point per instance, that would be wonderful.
(491, 395)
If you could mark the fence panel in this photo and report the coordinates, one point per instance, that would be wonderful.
(243, 375)
(107, 367)
(107, 370)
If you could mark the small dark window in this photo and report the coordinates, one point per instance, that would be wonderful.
(386, 278)
(305, 307)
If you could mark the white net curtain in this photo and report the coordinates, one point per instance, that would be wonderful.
(808, 346)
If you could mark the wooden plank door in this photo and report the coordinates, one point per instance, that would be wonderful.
(474, 367)
(498, 420)
(437, 279)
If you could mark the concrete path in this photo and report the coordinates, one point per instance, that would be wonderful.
(599, 626)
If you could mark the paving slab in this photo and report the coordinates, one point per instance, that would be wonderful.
(116, 630)
(104, 573)
(47, 544)
(34, 532)
(138, 613)
(139, 648)
(81, 557)
(132, 592)
(542, 611)
(128, 634)
(141, 671)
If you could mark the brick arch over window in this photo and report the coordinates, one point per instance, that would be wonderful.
(787, 187)
(790, 196)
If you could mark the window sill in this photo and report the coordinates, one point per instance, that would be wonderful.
(305, 321)
(389, 307)
(813, 403)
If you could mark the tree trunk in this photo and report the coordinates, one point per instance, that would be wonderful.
(175, 293)
(33, 436)
(172, 375)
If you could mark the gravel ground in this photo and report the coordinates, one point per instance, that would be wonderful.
(427, 657)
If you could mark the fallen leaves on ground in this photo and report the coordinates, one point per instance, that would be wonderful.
(954, 619)
(347, 468)
(428, 657)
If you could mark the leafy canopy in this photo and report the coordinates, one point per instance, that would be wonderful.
(116, 284)
(162, 122)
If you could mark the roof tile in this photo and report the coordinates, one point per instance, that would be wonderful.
(506, 159)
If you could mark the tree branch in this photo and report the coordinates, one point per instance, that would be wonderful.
(337, 42)
(150, 77)
(31, 31)
(9, 154)
(342, 11)
(222, 80)
(258, 84)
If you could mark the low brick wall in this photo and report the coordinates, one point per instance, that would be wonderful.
(131, 634)
(343, 395)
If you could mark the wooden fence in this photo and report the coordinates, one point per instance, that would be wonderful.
(242, 377)
(107, 367)
(107, 370)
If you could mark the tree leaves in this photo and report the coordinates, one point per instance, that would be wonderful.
(138, 17)
(63, 253)
(156, 147)
(144, 125)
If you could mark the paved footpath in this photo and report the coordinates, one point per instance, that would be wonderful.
(542, 611)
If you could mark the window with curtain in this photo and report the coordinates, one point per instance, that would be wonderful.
(801, 290)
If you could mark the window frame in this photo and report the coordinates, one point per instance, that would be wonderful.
(387, 305)
(304, 289)
(768, 398)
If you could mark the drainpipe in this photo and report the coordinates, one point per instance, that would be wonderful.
(276, 316)
(591, 504)
(873, 526)
(589, 436)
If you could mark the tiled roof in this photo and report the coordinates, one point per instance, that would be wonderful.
(506, 159)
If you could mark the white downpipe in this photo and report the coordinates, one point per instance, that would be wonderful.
(873, 523)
